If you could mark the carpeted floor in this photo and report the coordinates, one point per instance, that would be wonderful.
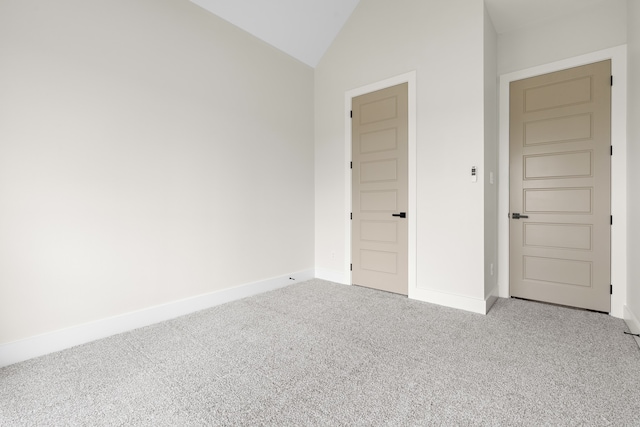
(318, 353)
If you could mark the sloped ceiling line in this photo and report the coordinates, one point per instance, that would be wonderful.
(305, 29)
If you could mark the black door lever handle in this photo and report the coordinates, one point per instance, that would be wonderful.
(518, 216)
(401, 214)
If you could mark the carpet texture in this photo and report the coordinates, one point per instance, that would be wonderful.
(318, 353)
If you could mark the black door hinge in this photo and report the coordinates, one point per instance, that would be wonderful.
(610, 289)
(351, 165)
(351, 114)
(351, 215)
(611, 80)
(611, 220)
(611, 150)
(351, 267)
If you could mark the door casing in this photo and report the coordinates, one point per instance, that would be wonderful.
(618, 56)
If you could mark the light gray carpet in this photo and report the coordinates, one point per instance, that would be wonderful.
(318, 353)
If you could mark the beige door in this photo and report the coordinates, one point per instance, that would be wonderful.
(379, 228)
(560, 169)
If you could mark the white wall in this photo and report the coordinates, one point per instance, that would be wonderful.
(149, 152)
(442, 40)
(633, 287)
(490, 157)
(595, 28)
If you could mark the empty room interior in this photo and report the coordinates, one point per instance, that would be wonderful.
(345, 212)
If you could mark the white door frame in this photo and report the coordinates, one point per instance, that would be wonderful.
(618, 56)
(410, 79)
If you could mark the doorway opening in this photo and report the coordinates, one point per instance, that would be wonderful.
(618, 57)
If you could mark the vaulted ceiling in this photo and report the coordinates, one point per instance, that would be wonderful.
(305, 29)
(302, 28)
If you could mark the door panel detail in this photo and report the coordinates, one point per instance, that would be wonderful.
(561, 94)
(560, 200)
(558, 165)
(559, 236)
(378, 201)
(378, 110)
(556, 130)
(379, 261)
(379, 170)
(379, 231)
(380, 140)
(557, 271)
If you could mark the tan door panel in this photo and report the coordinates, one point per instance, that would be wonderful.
(557, 200)
(560, 184)
(558, 236)
(380, 190)
(558, 165)
(558, 129)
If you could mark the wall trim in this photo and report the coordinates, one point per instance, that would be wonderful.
(618, 56)
(474, 305)
(40, 345)
(492, 298)
(409, 78)
(633, 322)
(332, 276)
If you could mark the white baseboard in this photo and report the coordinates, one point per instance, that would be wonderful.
(51, 342)
(474, 305)
(632, 321)
(332, 276)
